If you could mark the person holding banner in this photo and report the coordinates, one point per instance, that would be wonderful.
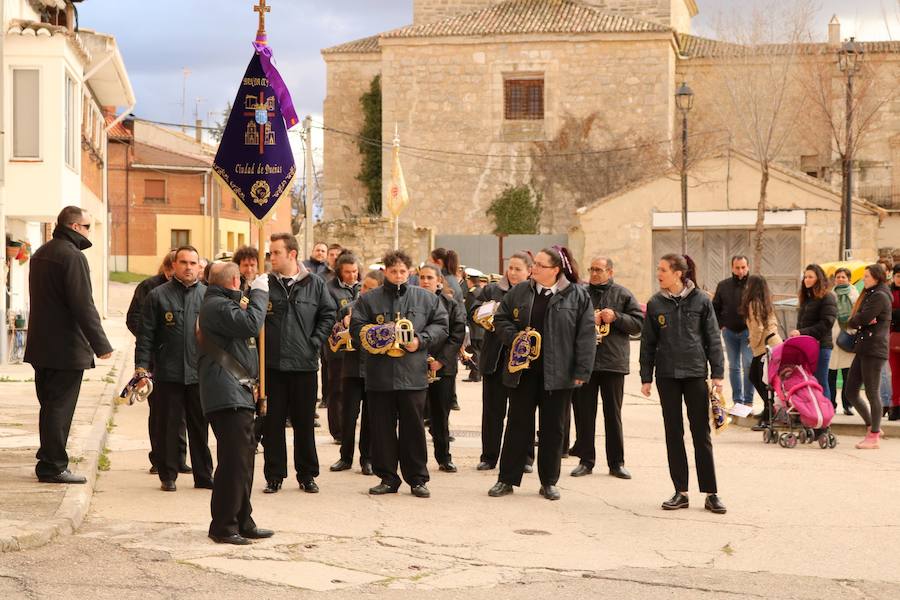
(398, 325)
(299, 319)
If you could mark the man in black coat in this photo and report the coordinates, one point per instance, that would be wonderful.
(616, 307)
(299, 319)
(344, 288)
(228, 368)
(167, 343)
(64, 335)
(396, 386)
(727, 304)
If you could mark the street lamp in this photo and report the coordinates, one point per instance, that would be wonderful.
(684, 100)
(849, 61)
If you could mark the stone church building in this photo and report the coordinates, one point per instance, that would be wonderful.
(483, 91)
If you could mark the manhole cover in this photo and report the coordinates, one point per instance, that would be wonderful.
(531, 532)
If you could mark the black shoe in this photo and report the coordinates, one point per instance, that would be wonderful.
(528, 469)
(420, 491)
(366, 469)
(317, 424)
(484, 466)
(381, 489)
(272, 487)
(714, 505)
(894, 415)
(455, 406)
(167, 486)
(153, 470)
(341, 465)
(451, 438)
(203, 485)
(581, 470)
(235, 539)
(848, 411)
(185, 469)
(448, 467)
(677, 501)
(66, 476)
(258, 534)
(500, 489)
(621, 472)
(760, 426)
(309, 486)
(550, 492)
(322, 403)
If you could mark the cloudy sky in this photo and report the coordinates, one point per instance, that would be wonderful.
(159, 39)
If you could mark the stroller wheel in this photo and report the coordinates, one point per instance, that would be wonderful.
(823, 441)
(791, 440)
(810, 436)
(832, 440)
(802, 435)
(767, 436)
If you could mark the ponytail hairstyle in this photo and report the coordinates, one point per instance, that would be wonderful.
(691, 273)
(876, 270)
(449, 258)
(561, 257)
(684, 264)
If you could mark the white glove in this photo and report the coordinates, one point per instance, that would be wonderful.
(261, 283)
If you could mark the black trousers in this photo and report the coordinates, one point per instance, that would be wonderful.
(57, 392)
(519, 437)
(353, 403)
(398, 434)
(695, 395)
(475, 347)
(153, 427)
(611, 389)
(176, 404)
(235, 452)
(494, 401)
(440, 398)
(757, 378)
(290, 394)
(832, 387)
(335, 398)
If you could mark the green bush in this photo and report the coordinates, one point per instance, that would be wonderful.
(370, 146)
(517, 210)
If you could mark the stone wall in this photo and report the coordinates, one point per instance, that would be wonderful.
(371, 238)
(449, 96)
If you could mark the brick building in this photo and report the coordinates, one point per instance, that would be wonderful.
(163, 195)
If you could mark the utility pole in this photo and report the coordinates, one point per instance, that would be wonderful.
(308, 199)
(186, 73)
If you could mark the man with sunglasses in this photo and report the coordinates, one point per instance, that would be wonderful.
(64, 336)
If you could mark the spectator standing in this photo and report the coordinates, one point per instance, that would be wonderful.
(727, 304)
(845, 295)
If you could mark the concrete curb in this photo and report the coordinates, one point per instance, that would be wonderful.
(891, 429)
(77, 500)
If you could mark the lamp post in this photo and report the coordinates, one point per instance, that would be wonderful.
(849, 58)
(684, 100)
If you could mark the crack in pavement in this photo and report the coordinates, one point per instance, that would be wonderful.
(670, 585)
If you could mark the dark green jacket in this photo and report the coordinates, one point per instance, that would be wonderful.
(166, 340)
(224, 323)
(493, 352)
(614, 353)
(298, 322)
(448, 352)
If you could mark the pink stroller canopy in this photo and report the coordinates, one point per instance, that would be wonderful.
(802, 350)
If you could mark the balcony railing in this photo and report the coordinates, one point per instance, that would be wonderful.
(885, 196)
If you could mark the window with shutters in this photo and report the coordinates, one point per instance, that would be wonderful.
(523, 99)
(181, 237)
(154, 191)
(26, 115)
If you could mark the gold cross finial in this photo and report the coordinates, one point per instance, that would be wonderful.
(262, 9)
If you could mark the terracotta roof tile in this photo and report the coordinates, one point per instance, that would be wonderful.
(145, 154)
(529, 16)
(119, 131)
(699, 47)
(364, 45)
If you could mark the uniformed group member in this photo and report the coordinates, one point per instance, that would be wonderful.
(681, 346)
(353, 392)
(344, 288)
(167, 341)
(616, 308)
(396, 387)
(298, 322)
(228, 367)
(492, 363)
(247, 260)
(443, 363)
(476, 333)
(560, 310)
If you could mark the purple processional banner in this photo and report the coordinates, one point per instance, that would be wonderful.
(255, 159)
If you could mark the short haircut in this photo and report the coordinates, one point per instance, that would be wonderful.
(396, 256)
(222, 274)
(739, 257)
(245, 253)
(181, 249)
(290, 242)
(316, 244)
(70, 215)
(376, 275)
(608, 260)
(346, 258)
(335, 247)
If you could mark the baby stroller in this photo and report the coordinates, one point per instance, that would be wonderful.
(799, 411)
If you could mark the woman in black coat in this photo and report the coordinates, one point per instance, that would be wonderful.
(679, 339)
(815, 318)
(872, 319)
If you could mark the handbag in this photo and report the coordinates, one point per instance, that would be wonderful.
(847, 341)
(895, 341)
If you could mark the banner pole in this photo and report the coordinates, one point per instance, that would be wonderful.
(262, 332)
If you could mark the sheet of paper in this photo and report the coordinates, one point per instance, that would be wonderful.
(741, 410)
(486, 309)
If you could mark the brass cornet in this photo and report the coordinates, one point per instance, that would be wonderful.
(484, 316)
(432, 374)
(602, 329)
(403, 334)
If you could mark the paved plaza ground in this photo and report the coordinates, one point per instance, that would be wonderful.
(801, 523)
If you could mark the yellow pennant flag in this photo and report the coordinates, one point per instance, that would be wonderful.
(398, 197)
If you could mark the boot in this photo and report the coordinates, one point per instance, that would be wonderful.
(894, 415)
(870, 442)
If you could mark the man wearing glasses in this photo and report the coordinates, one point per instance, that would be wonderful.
(615, 308)
(64, 336)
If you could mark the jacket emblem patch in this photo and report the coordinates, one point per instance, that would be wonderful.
(170, 318)
(269, 308)
(344, 302)
(515, 313)
(662, 320)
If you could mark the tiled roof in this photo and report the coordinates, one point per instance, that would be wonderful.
(145, 154)
(529, 16)
(699, 47)
(28, 28)
(119, 131)
(364, 45)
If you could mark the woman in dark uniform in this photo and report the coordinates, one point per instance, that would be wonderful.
(680, 338)
(560, 311)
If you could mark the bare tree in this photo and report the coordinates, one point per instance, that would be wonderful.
(749, 89)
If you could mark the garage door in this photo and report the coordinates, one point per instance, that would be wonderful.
(712, 251)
